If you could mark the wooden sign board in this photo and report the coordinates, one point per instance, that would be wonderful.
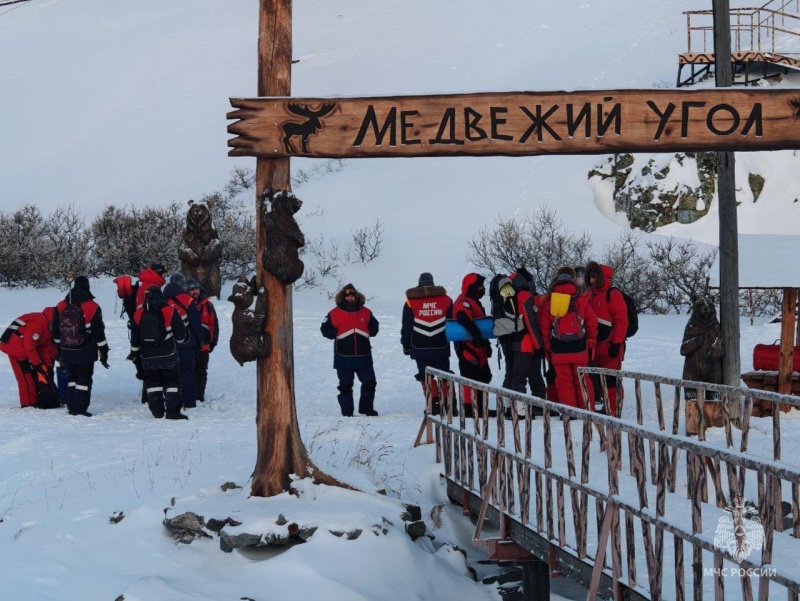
(517, 124)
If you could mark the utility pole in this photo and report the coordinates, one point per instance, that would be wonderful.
(728, 221)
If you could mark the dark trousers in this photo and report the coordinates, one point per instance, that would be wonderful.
(479, 373)
(62, 377)
(201, 373)
(365, 375)
(80, 388)
(162, 387)
(187, 366)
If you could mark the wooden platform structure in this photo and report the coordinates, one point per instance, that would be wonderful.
(764, 43)
(779, 274)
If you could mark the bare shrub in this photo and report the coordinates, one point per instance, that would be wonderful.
(539, 242)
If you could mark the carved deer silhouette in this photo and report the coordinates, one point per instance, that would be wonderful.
(305, 129)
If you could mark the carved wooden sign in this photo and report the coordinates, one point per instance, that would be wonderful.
(521, 123)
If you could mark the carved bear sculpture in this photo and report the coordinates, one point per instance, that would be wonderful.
(284, 239)
(702, 347)
(249, 341)
(202, 249)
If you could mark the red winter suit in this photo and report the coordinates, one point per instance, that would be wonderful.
(423, 332)
(473, 356)
(612, 318)
(30, 349)
(566, 356)
(350, 325)
(149, 277)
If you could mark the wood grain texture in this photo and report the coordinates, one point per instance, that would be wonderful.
(516, 123)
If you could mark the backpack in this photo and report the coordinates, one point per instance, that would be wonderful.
(72, 326)
(569, 327)
(151, 328)
(126, 290)
(504, 311)
(633, 312)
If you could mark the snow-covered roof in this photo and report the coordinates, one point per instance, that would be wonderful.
(765, 261)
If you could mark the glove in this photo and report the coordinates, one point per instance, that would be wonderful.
(613, 349)
(488, 351)
(406, 350)
(139, 370)
(104, 357)
(133, 356)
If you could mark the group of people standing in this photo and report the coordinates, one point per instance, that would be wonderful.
(580, 320)
(172, 333)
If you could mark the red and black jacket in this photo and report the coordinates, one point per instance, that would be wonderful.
(208, 321)
(424, 316)
(95, 329)
(350, 326)
(163, 355)
(466, 309)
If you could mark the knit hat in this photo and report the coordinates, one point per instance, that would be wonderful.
(159, 268)
(191, 284)
(178, 278)
(81, 282)
(425, 279)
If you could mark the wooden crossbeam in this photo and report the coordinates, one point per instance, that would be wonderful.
(517, 124)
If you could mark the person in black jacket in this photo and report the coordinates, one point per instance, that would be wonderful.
(422, 334)
(190, 315)
(350, 324)
(157, 331)
(80, 335)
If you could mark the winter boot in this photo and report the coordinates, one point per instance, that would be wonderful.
(345, 399)
(175, 414)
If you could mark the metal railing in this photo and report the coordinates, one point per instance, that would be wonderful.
(763, 29)
(679, 498)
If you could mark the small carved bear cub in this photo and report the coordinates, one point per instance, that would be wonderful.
(284, 239)
(249, 341)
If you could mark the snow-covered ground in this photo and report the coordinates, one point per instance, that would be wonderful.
(64, 477)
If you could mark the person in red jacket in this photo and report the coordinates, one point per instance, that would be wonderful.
(149, 277)
(570, 336)
(612, 318)
(473, 355)
(351, 325)
(210, 325)
(31, 351)
(422, 333)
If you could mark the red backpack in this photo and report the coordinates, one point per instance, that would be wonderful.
(569, 328)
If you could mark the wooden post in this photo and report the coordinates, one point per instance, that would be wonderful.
(535, 580)
(281, 451)
(787, 340)
(728, 223)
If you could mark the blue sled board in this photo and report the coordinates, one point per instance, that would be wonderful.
(455, 332)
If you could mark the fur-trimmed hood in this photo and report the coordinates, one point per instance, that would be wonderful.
(603, 273)
(425, 291)
(342, 304)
